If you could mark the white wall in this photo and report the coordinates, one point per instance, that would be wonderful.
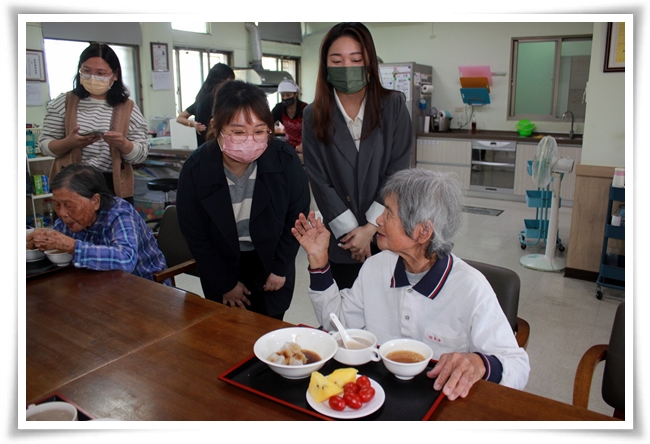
(604, 139)
(231, 37)
(444, 46)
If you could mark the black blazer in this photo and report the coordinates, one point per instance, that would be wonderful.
(343, 178)
(208, 224)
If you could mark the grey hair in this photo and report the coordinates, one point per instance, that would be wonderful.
(86, 181)
(431, 198)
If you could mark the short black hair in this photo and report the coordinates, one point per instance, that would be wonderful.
(234, 96)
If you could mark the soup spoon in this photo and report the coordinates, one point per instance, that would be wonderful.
(348, 342)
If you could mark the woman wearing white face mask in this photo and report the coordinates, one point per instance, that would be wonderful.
(238, 197)
(96, 123)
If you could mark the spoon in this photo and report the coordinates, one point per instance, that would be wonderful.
(348, 342)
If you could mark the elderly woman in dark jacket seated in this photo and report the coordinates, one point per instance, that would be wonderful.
(101, 231)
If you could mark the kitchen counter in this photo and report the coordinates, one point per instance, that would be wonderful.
(463, 134)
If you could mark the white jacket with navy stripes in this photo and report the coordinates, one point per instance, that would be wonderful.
(452, 309)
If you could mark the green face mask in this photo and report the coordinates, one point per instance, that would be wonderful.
(347, 79)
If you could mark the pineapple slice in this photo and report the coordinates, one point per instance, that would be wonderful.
(321, 388)
(342, 376)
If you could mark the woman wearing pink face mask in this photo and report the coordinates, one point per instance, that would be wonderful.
(238, 196)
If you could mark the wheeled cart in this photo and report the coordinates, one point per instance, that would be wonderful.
(536, 230)
(612, 266)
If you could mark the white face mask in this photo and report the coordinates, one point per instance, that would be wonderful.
(95, 86)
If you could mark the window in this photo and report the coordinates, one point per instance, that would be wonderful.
(198, 27)
(278, 63)
(191, 67)
(62, 58)
(548, 77)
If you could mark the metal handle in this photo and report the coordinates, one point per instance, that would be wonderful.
(500, 164)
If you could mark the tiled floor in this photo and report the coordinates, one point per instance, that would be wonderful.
(564, 315)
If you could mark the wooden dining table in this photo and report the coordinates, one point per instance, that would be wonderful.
(119, 346)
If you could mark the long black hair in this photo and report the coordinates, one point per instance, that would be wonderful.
(324, 98)
(218, 74)
(118, 92)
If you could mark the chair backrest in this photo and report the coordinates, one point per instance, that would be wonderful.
(506, 284)
(170, 239)
(613, 389)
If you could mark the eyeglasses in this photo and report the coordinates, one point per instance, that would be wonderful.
(259, 136)
(86, 74)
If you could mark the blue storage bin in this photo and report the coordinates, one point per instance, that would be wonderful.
(535, 228)
(540, 198)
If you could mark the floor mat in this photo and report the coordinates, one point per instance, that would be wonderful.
(479, 210)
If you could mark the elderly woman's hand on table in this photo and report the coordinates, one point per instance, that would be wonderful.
(457, 373)
(48, 239)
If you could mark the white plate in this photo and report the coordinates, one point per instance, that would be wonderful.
(35, 260)
(349, 413)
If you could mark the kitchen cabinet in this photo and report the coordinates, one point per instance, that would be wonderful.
(39, 165)
(524, 181)
(447, 155)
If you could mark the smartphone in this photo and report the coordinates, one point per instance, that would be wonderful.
(93, 133)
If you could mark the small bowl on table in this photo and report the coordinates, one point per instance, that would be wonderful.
(58, 257)
(405, 358)
(34, 255)
(309, 339)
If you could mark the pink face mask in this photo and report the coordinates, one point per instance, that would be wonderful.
(245, 152)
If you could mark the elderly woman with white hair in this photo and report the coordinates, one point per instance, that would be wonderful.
(417, 288)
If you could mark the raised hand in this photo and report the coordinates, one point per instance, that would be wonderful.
(314, 238)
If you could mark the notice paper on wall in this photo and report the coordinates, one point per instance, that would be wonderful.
(34, 96)
(161, 80)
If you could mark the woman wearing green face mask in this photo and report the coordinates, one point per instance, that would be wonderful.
(356, 134)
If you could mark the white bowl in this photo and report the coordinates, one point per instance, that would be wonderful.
(360, 356)
(403, 370)
(51, 411)
(311, 339)
(61, 259)
(34, 255)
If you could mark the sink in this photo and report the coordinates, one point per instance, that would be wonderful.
(575, 137)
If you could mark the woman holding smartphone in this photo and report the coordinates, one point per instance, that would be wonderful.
(96, 123)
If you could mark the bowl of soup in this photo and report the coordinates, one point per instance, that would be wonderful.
(58, 257)
(360, 354)
(295, 352)
(405, 358)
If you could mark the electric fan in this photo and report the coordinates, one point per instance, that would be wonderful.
(547, 169)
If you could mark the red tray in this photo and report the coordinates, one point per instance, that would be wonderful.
(413, 400)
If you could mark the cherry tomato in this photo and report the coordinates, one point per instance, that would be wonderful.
(352, 400)
(363, 381)
(366, 394)
(337, 403)
(351, 387)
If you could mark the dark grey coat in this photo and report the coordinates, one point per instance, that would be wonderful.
(343, 178)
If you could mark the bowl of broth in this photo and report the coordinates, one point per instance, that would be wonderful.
(295, 352)
(405, 358)
(364, 353)
(58, 257)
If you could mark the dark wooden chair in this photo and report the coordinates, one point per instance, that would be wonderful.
(613, 385)
(506, 285)
(173, 245)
